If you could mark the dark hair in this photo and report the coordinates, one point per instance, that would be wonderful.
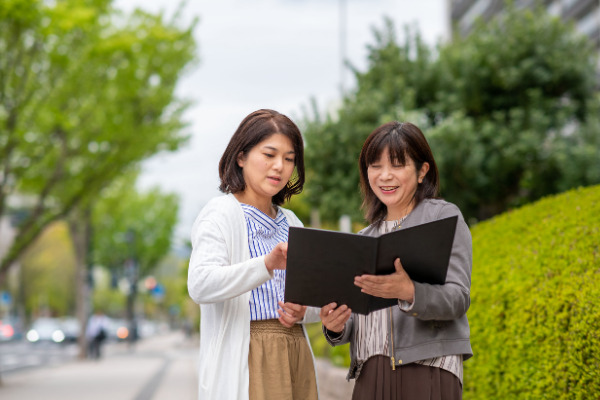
(255, 128)
(402, 140)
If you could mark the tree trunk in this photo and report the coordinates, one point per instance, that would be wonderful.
(80, 226)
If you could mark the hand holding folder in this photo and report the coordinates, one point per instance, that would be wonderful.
(321, 265)
(397, 285)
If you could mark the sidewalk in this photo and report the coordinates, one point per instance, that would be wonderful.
(332, 381)
(163, 367)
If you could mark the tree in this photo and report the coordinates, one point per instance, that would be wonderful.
(85, 95)
(127, 223)
(398, 80)
(510, 112)
(47, 278)
(517, 97)
(132, 232)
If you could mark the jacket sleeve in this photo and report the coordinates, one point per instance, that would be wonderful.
(345, 336)
(452, 299)
(211, 277)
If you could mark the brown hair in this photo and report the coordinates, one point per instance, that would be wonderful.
(402, 140)
(255, 128)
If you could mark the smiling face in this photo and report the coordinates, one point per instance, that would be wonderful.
(395, 184)
(402, 147)
(266, 168)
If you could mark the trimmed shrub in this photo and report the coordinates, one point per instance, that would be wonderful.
(535, 301)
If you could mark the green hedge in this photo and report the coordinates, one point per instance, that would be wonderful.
(338, 355)
(535, 301)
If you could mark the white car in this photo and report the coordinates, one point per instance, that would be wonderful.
(46, 330)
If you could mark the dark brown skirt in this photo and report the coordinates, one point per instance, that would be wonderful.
(377, 381)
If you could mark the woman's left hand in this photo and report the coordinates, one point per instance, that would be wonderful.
(394, 286)
(290, 313)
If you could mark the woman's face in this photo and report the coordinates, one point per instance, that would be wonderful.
(267, 167)
(395, 184)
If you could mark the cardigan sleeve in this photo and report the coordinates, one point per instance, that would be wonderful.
(211, 276)
(311, 315)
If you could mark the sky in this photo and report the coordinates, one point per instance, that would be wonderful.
(276, 54)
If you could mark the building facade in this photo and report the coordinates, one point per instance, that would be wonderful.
(584, 13)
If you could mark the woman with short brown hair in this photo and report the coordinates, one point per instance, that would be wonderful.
(252, 344)
(413, 350)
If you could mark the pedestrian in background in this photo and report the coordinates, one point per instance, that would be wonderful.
(252, 345)
(96, 332)
(414, 350)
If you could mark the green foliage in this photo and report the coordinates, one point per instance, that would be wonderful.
(510, 112)
(86, 93)
(170, 273)
(338, 355)
(128, 224)
(105, 297)
(299, 205)
(383, 92)
(47, 279)
(534, 316)
(522, 59)
(516, 95)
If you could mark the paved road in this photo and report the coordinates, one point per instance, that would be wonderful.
(157, 368)
(17, 355)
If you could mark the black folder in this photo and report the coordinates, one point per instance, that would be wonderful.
(321, 265)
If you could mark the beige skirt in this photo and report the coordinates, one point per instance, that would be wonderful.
(280, 363)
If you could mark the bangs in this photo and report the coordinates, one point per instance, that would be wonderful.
(393, 142)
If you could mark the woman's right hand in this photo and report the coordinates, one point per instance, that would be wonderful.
(334, 318)
(277, 258)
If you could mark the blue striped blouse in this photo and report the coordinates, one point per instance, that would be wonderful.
(263, 235)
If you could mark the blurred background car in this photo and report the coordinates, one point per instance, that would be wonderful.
(46, 329)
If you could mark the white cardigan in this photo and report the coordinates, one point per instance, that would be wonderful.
(221, 276)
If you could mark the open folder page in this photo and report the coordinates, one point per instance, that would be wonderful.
(321, 265)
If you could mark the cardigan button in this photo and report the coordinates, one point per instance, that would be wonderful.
(414, 314)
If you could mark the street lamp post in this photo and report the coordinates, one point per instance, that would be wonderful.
(342, 33)
(131, 273)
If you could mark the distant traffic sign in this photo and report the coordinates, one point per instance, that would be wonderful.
(5, 298)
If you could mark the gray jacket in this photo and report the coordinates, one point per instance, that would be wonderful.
(437, 323)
